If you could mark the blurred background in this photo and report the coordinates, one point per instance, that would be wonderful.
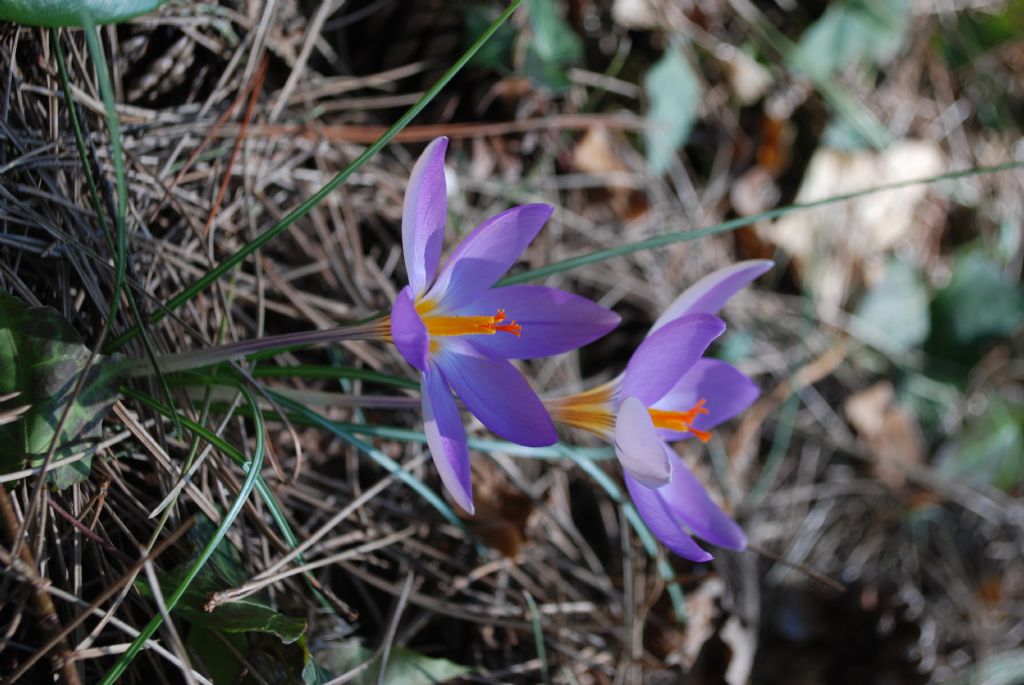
(879, 477)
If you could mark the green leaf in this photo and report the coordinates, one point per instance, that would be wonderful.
(219, 663)
(224, 570)
(405, 667)
(553, 48)
(674, 93)
(988, 453)
(71, 12)
(41, 359)
(898, 306)
(979, 304)
(496, 53)
(852, 33)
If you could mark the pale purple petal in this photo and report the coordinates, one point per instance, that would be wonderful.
(662, 523)
(638, 445)
(446, 437)
(725, 390)
(662, 358)
(423, 216)
(553, 321)
(687, 498)
(408, 331)
(711, 292)
(497, 394)
(486, 254)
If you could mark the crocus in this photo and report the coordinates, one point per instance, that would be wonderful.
(460, 332)
(669, 392)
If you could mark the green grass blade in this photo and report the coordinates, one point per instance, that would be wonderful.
(312, 371)
(739, 222)
(237, 258)
(226, 448)
(252, 469)
(117, 157)
(115, 243)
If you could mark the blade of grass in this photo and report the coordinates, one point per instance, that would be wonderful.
(538, 637)
(114, 242)
(739, 222)
(116, 156)
(252, 469)
(262, 239)
(226, 448)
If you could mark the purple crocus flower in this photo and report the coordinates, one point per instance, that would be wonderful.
(670, 392)
(460, 332)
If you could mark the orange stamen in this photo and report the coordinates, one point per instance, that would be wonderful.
(681, 420)
(470, 325)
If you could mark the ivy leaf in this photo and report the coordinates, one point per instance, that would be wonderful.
(554, 46)
(55, 13)
(898, 306)
(674, 93)
(851, 33)
(41, 360)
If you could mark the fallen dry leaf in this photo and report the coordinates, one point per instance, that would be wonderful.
(890, 431)
(831, 245)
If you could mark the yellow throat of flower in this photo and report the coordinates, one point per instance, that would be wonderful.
(592, 410)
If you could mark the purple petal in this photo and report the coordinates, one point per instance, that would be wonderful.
(446, 437)
(662, 523)
(407, 330)
(486, 254)
(687, 498)
(663, 357)
(423, 216)
(725, 389)
(553, 321)
(638, 446)
(711, 292)
(496, 393)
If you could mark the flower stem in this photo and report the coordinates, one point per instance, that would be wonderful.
(377, 329)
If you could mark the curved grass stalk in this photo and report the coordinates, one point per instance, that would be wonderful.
(252, 469)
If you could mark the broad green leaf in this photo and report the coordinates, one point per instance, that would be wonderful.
(852, 33)
(405, 667)
(989, 451)
(496, 53)
(41, 358)
(979, 301)
(71, 12)
(248, 615)
(219, 663)
(898, 306)
(553, 48)
(674, 94)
